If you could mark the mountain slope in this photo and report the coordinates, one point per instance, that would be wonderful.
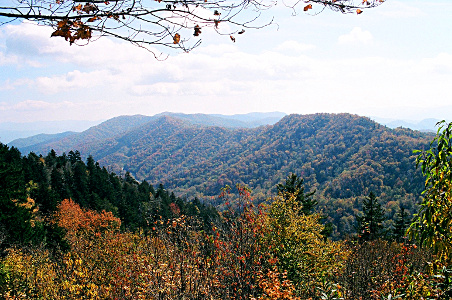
(39, 139)
(341, 156)
(83, 141)
(93, 135)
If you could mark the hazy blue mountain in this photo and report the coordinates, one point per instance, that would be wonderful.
(249, 120)
(119, 125)
(93, 135)
(10, 131)
(38, 139)
(208, 120)
(256, 118)
(428, 125)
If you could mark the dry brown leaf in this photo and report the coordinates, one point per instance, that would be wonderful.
(176, 38)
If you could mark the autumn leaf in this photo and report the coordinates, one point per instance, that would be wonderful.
(83, 33)
(216, 13)
(241, 31)
(307, 7)
(60, 24)
(176, 38)
(77, 8)
(89, 8)
(232, 38)
(197, 30)
(92, 19)
(59, 32)
(358, 11)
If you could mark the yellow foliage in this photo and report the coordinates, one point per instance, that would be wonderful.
(296, 241)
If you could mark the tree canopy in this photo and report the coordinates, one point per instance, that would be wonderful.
(170, 23)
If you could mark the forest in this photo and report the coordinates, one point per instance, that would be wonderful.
(72, 229)
(342, 157)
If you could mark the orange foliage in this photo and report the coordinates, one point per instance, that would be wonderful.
(276, 286)
(72, 217)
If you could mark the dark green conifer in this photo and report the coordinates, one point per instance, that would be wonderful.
(370, 225)
(402, 222)
(294, 186)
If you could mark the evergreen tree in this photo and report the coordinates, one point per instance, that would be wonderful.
(402, 222)
(80, 190)
(15, 225)
(57, 182)
(370, 225)
(294, 186)
(74, 156)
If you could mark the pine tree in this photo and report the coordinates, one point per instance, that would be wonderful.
(401, 224)
(370, 225)
(15, 225)
(294, 186)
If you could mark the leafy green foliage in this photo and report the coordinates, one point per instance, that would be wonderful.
(433, 224)
(126, 239)
(296, 240)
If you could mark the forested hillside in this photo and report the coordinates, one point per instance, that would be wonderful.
(74, 230)
(117, 126)
(342, 157)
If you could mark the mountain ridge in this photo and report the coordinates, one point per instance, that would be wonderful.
(341, 156)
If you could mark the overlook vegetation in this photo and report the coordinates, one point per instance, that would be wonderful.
(74, 230)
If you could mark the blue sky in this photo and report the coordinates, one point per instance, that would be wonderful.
(393, 61)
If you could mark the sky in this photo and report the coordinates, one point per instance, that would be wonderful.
(393, 61)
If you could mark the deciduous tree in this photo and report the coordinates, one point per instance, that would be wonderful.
(433, 225)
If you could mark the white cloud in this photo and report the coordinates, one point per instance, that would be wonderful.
(75, 80)
(13, 84)
(356, 36)
(108, 78)
(6, 59)
(233, 80)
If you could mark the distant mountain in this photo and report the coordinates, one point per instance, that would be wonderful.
(256, 119)
(119, 125)
(39, 139)
(426, 125)
(341, 156)
(10, 131)
(80, 141)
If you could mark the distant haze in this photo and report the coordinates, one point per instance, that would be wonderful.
(10, 131)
